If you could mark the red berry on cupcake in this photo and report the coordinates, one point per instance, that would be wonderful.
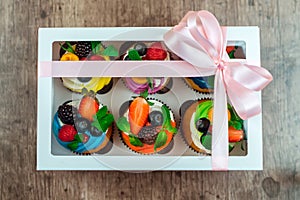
(67, 133)
(156, 52)
(96, 57)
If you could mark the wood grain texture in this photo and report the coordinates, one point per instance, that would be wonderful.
(280, 47)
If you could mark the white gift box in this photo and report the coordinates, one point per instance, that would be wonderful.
(51, 93)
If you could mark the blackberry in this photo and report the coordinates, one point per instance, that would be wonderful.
(67, 113)
(83, 49)
(148, 134)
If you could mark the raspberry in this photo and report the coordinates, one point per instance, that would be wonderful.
(67, 133)
(156, 52)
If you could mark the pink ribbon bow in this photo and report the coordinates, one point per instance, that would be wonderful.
(199, 40)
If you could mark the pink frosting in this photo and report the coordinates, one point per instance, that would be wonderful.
(138, 88)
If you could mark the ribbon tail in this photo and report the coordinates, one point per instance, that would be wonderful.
(220, 126)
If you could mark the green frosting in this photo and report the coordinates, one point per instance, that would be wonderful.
(204, 107)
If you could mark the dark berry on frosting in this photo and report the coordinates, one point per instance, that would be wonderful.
(141, 48)
(148, 134)
(83, 49)
(156, 118)
(84, 79)
(127, 58)
(202, 125)
(95, 132)
(67, 113)
(82, 125)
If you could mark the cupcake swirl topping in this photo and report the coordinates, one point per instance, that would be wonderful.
(202, 122)
(147, 126)
(87, 51)
(146, 51)
(83, 126)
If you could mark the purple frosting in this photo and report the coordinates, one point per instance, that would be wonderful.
(138, 88)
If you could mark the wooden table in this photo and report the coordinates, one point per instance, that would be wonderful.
(280, 47)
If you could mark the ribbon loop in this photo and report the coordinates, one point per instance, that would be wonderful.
(201, 41)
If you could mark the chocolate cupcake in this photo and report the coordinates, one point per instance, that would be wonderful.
(146, 51)
(146, 126)
(83, 126)
(197, 122)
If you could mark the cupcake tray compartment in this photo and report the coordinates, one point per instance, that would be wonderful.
(52, 93)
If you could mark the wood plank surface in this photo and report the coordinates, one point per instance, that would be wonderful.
(280, 47)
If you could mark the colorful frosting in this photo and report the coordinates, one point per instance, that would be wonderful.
(134, 135)
(140, 84)
(94, 84)
(201, 84)
(92, 145)
(197, 126)
(86, 51)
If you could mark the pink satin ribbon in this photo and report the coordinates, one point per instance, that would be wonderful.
(199, 40)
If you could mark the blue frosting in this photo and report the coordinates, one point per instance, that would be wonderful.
(203, 82)
(92, 143)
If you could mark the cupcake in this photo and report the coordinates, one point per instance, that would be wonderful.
(206, 84)
(146, 126)
(83, 126)
(201, 84)
(197, 122)
(87, 51)
(146, 51)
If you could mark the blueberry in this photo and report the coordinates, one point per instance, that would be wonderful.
(84, 79)
(127, 58)
(141, 48)
(156, 118)
(95, 132)
(202, 125)
(82, 125)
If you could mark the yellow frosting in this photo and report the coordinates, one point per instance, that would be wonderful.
(95, 84)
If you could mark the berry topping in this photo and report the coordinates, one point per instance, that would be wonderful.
(138, 114)
(156, 118)
(82, 125)
(83, 59)
(156, 52)
(67, 133)
(83, 49)
(67, 113)
(202, 125)
(148, 134)
(88, 106)
(141, 48)
(95, 132)
(96, 57)
(127, 58)
(84, 79)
